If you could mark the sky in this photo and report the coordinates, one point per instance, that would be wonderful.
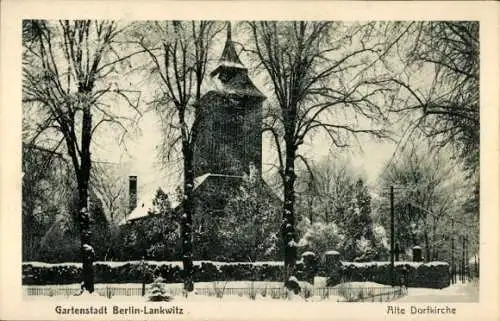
(138, 155)
(140, 160)
(367, 157)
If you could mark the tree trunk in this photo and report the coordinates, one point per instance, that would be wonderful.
(187, 217)
(434, 240)
(85, 235)
(288, 223)
(427, 248)
(310, 210)
(83, 176)
(29, 230)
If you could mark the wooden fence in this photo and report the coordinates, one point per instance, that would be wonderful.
(349, 294)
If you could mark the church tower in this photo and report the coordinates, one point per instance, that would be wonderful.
(229, 137)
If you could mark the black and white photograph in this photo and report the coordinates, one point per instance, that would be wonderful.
(169, 165)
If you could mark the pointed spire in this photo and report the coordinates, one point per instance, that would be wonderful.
(231, 73)
(229, 57)
(229, 53)
(229, 31)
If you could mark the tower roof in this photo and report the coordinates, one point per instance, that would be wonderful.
(229, 57)
(233, 75)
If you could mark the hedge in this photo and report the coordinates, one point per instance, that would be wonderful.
(35, 273)
(428, 275)
(412, 274)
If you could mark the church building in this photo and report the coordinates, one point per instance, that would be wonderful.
(230, 135)
(229, 142)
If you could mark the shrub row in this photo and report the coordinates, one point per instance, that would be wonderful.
(42, 274)
(427, 275)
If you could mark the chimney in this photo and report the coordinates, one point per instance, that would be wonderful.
(132, 193)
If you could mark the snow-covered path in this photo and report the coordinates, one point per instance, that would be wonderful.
(458, 292)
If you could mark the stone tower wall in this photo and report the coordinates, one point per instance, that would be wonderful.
(230, 134)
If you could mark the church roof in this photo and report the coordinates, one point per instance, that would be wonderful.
(233, 75)
(142, 210)
(202, 184)
(145, 204)
(239, 85)
(229, 57)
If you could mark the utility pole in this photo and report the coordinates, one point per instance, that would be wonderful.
(463, 259)
(392, 235)
(466, 261)
(478, 266)
(453, 272)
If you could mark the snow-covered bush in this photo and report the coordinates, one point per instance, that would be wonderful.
(365, 250)
(158, 292)
(293, 285)
(319, 237)
(249, 231)
(155, 236)
(414, 274)
(381, 241)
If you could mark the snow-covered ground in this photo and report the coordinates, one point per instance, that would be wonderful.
(170, 263)
(458, 292)
(197, 307)
(237, 291)
(397, 263)
(227, 307)
(206, 291)
(179, 286)
(359, 285)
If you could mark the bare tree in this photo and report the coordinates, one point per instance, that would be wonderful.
(108, 184)
(44, 172)
(68, 70)
(430, 196)
(329, 184)
(435, 69)
(319, 73)
(447, 101)
(179, 52)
